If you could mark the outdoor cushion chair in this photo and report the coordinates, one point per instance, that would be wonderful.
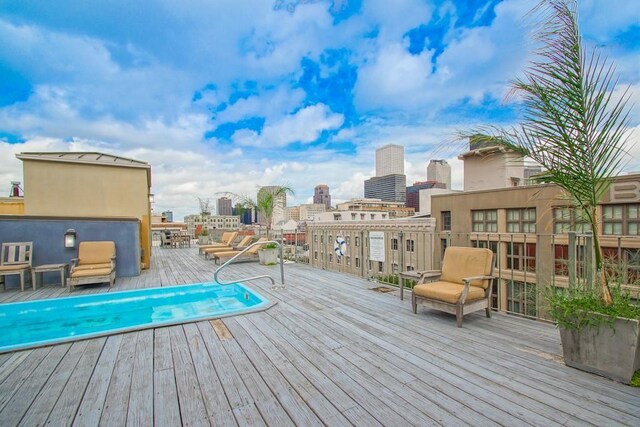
(246, 241)
(16, 259)
(463, 286)
(250, 255)
(96, 263)
(226, 241)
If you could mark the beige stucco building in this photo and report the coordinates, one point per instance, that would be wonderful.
(84, 184)
(527, 228)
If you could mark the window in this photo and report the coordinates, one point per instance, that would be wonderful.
(362, 216)
(521, 256)
(315, 238)
(330, 257)
(337, 217)
(370, 265)
(410, 268)
(410, 245)
(621, 219)
(315, 254)
(357, 240)
(394, 244)
(446, 220)
(394, 268)
(347, 240)
(380, 266)
(353, 216)
(484, 221)
(521, 220)
(357, 262)
(567, 219)
(348, 258)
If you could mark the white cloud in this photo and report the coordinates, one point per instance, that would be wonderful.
(304, 126)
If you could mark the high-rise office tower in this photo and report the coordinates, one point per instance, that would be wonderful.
(390, 182)
(440, 171)
(390, 160)
(321, 195)
(224, 206)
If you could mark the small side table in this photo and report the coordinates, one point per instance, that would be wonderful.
(414, 275)
(62, 268)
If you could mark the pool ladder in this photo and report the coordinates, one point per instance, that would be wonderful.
(264, 276)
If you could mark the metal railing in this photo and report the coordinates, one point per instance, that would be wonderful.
(527, 263)
(263, 276)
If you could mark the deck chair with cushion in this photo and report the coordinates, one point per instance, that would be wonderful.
(246, 241)
(16, 259)
(226, 241)
(250, 255)
(463, 286)
(96, 263)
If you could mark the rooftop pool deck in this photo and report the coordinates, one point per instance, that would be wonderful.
(330, 352)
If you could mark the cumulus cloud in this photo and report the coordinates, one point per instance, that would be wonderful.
(304, 126)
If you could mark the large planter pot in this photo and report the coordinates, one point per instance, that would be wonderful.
(204, 240)
(610, 352)
(268, 256)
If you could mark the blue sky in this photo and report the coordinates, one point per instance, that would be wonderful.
(227, 95)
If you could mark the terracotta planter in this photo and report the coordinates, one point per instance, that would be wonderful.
(611, 352)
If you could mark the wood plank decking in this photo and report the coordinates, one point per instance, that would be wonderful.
(331, 352)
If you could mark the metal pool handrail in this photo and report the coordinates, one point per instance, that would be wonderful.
(264, 276)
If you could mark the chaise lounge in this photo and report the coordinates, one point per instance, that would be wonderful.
(463, 286)
(96, 263)
(227, 239)
(246, 241)
(250, 255)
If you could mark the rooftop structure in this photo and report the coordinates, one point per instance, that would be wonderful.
(395, 209)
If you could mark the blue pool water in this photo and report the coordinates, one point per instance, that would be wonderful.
(40, 322)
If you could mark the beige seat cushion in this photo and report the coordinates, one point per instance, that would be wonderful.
(448, 292)
(14, 267)
(96, 252)
(462, 262)
(90, 273)
(93, 266)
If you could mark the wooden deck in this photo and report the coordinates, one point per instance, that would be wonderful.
(331, 352)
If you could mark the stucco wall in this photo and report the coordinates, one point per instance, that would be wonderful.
(89, 190)
(47, 236)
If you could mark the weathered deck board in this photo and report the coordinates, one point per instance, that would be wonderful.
(331, 352)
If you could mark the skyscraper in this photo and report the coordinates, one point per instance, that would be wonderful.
(390, 182)
(321, 195)
(388, 188)
(390, 160)
(440, 171)
(224, 206)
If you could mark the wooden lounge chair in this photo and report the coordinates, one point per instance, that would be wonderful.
(246, 241)
(463, 286)
(96, 263)
(227, 239)
(16, 259)
(249, 255)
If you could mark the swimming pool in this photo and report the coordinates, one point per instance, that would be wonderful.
(41, 322)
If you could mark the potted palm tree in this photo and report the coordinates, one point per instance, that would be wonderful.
(268, 199)
(576, 126)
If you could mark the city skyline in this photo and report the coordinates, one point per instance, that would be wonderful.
(229, 96)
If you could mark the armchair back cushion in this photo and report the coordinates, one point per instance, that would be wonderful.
(461, 262)
(96, 252)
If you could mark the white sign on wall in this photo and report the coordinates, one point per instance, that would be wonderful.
(376, 246)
